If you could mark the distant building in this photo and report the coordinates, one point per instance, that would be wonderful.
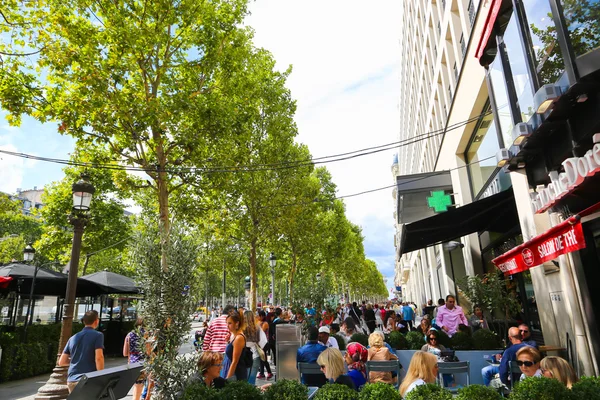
(30, 199)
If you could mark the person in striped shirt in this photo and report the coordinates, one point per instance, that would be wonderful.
(217, 334)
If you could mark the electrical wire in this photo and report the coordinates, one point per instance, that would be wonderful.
(256, 167)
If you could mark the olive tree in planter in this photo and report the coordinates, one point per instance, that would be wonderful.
(168, 303)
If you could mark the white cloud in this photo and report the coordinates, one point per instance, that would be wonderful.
(11, 170)
(346, 79)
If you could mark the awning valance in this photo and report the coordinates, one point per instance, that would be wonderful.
(497, 213)
(563, 238)
(488, 28)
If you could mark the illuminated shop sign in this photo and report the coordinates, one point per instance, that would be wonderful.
(577, 169)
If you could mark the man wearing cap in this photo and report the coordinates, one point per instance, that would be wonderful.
(327, 340)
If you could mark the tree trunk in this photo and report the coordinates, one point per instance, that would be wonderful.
(253, 274)
(162, 184)
(292, 275)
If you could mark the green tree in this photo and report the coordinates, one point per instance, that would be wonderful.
(16, 229)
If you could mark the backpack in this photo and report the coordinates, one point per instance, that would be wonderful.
(247, 357)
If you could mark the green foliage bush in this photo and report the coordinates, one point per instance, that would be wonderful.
(285, 389)
(415, 340)
(378, 391)
(360, 338)
(397, 341)
(429, 392)
(240, 390)
(478, 392)
(334, 391)
(198, 391)
(484, 339)
(341, 342)
(462, 341)
(443, 338)
(540, 388)
(587, 388)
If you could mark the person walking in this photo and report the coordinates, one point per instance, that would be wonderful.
(264, 364)
(370, 318)
(134, 353)
(84, 351)
(217, 335)
(234, 366)
(255, 338)
(408, 315)
(450, 316)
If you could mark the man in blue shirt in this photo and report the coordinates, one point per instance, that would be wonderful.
(510, 354)
(309, 354)
(84, 351)
(408, 314)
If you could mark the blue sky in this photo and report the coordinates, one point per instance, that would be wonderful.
(345, 58)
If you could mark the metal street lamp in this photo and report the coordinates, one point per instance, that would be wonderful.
(28, 253)
(83, 190)
(28, 256)
(450, 246)
(273, 263)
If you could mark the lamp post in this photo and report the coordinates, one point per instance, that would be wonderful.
(56, 387)
(28, 256)
(450, 246)
(273, 263)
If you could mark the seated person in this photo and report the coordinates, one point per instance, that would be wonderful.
(528, 360)
(423, 369)
(309, 354)
(559, 369)
(379, 352)
(510, 354)
(332, 365)
(526, 335)
(356, 357)
(209, 368)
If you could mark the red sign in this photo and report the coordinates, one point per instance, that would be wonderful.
(488, 27)
(562, 239)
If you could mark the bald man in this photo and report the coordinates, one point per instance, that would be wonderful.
(510, 354)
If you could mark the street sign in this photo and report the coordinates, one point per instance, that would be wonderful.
(440, 201)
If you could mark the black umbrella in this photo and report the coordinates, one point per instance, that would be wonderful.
(47, 282)
(112, 283)
(16, 271)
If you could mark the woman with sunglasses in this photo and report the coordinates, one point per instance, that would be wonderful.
(209, 367)
(423, 369)
(528, 360)
(332, 365)
(559, 369)
(433, 345)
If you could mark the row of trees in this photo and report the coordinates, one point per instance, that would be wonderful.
(176, 93)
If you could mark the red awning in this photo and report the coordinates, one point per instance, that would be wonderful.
(488, 28)
(563, 238)
(4, 281)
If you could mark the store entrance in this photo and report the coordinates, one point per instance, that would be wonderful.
(589, 275)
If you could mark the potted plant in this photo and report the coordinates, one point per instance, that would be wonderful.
(587, 388)
(240, 390)
(360, 338)
(415, 340)
(461, 341)
(484, 339)
(478, 392)
(341, 342)
(285, 389)
(397, 340)
(429, 392)
(379, 390)
(334, 391)
(540, 388)
(199, 391)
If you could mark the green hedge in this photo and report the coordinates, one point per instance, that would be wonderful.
(37, 355)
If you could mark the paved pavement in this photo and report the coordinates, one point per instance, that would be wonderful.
(25, 389)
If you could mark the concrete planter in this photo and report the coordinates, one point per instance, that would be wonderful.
(477, 361)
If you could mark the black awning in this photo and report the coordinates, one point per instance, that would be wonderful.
(497, 213)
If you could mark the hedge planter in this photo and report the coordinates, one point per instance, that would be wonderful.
(378, 391)
(587, 388)
(285, 389)
(334, 391)
(429, 392)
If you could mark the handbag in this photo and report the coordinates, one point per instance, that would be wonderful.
(261, 353)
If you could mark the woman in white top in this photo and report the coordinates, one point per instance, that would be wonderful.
(423, 369)
(255, 336)
(528, 360)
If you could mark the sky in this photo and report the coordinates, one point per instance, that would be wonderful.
(345, 59)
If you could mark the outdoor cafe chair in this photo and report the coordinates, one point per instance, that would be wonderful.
(384, 366)
(310, 369)
(458, 367)
(514, 369)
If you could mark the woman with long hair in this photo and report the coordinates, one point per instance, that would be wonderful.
(348, 329)
(234, 367)
(559, 369)
(332, 365)
(379, 352)
(264, 325)
(433, 345)
(424, 326)
(255, 337)
(132, 349)
(423, 369)
(356, 356)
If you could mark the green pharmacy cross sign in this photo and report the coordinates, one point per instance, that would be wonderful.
(439, 201)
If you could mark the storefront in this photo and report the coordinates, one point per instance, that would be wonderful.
(542, 61)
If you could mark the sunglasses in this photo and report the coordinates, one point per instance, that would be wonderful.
(432, 339)
(524, 331)
(525, 363)
(322, 366)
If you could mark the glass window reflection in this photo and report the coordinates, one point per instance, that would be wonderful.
(548, 57)
(484, 144)
(583, 22)
(518, 66)
(503, 113)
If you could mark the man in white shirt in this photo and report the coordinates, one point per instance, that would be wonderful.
(327, 340)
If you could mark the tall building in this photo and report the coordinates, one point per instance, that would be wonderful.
(499, 106)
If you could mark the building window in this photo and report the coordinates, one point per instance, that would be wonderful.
(455, 73)
(503, 113)
(583, 24)
(484, 143)
(443, 5)
(439, 28)
(463, 46)
(471, 12)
